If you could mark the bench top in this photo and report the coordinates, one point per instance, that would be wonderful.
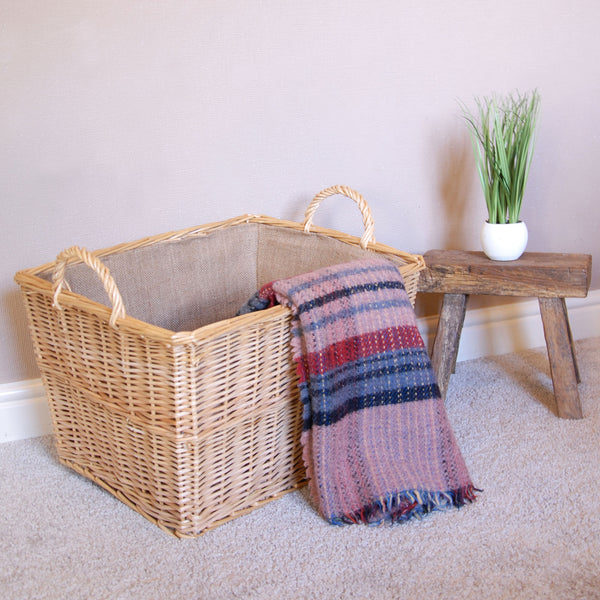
(540, 274)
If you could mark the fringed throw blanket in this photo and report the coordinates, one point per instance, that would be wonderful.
(377, 443)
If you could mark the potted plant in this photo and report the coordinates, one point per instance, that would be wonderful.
(502, 132)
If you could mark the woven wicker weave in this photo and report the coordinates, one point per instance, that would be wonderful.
(157, 392)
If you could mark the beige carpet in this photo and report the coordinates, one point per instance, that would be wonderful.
(533, 533)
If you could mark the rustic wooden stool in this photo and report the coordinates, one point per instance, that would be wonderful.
(549, 277)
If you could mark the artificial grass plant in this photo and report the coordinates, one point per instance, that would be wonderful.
(502, 133)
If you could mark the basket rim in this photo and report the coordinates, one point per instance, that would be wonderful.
(30, 278)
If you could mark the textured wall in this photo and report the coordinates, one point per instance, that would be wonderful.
(124, 119)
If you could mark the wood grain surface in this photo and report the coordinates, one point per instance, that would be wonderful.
(538, 274)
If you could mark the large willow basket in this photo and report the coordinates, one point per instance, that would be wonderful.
(158, 393)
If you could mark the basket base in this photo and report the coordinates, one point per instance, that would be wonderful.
(176, 532)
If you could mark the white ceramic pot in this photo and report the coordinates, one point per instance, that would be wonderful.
(504, 241)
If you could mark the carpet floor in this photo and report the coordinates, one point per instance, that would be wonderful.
(533, 533)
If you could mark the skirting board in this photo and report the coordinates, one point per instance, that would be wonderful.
(487, 331)
(23, 410)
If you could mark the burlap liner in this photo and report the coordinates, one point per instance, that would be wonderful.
(184, 284)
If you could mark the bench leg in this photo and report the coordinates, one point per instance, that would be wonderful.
(561, 354)
(445, 345)
(577, 376)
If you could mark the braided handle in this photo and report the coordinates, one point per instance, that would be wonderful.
(59, 282)
(369, 234)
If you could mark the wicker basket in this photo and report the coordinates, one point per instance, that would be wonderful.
(186, 413)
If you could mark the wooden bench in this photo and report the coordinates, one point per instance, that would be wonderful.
(549, 277)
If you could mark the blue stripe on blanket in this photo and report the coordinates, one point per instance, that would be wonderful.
(352, 312)
(313, 416)
(387, 369)
(347, 292)
(341, 273)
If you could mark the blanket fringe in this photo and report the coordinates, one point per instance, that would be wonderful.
(409, 504)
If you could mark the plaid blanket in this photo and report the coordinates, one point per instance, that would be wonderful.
(377, 443)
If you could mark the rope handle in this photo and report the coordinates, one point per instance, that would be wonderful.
(368, 236)
(59, 282)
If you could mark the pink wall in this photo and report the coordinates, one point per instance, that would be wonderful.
(125, 119)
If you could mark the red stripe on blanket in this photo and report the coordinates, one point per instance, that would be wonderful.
(361, 346)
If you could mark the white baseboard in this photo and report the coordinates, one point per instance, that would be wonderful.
(487, 331)
(515, 327)
(23, 410)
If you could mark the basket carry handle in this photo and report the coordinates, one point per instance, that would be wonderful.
(368, 236)
(59, 282)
